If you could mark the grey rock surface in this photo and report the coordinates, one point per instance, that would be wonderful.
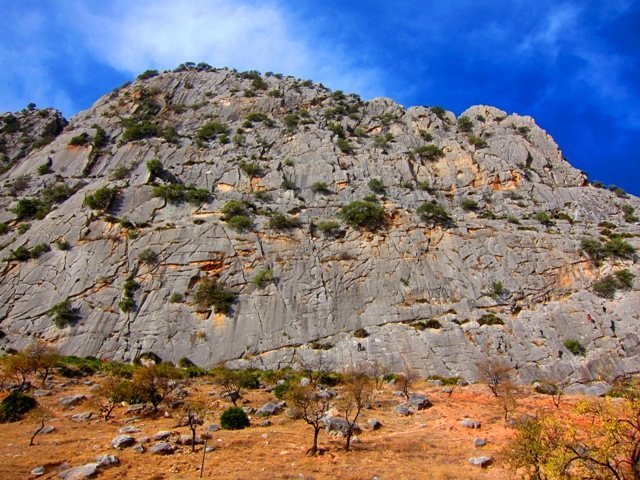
(162, 435)
(123, 441)
(339, 425)
(402, 410)
(38, 471)
(81, 417)
(71, 400)
(374, 424)
(479, 442)
(468, 423)
(107, 460)
(398, 282)
(128, 429)
(88, 470)
(419, 401)
(482, 462)
(162, 448)
(269, 409)
(45, 430)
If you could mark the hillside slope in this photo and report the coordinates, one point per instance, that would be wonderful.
(415, 291)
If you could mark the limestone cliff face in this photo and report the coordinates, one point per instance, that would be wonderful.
(421, 289)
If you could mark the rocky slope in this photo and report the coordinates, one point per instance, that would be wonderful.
(132, 198)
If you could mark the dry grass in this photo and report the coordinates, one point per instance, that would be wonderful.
(429, 444)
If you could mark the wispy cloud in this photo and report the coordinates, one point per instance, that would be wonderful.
(161, 34)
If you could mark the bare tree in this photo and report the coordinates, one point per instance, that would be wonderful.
(405, 380)
(311, 406)
(378, 372)
(314, 370)
(356, 395)
(38, 416)
(494, 372)
(193, 412)
(507, 394)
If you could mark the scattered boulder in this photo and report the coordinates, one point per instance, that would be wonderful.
(46, 429)
(138, 448)
(545, 388)
(434, 383)
(129, 429)
(340, 426)
(374, 424)
(41, 393)
(231, 396)
(161, 435)
(162, 448)
(403, 410)
(123, 441)
(305, 382)
(188, 440)
(136, 408)
(71, 400)
(420, 402)
(479, 442)
(292, 413)
(38, 471)
(265, 423)
(468, 423)
(482, 462)
(213, 428)
(81, 417)
(269, 409)
(599, 389)
(79, 473)
(447, 390)
(107, 460)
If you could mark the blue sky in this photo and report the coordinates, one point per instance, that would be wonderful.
(572, 65)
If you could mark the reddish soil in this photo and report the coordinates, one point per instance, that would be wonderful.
(429, 444)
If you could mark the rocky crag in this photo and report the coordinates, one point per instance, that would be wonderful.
(208, 214)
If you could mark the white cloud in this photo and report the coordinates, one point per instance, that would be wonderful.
(134, 36)
(557, 29)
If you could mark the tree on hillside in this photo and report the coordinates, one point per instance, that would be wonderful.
(112, 392)
(154, 383)
(233, 381)
(311, 406)
(36, 358)
(494, 372)
(356, 396)
(598, 440)
(193, 413)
